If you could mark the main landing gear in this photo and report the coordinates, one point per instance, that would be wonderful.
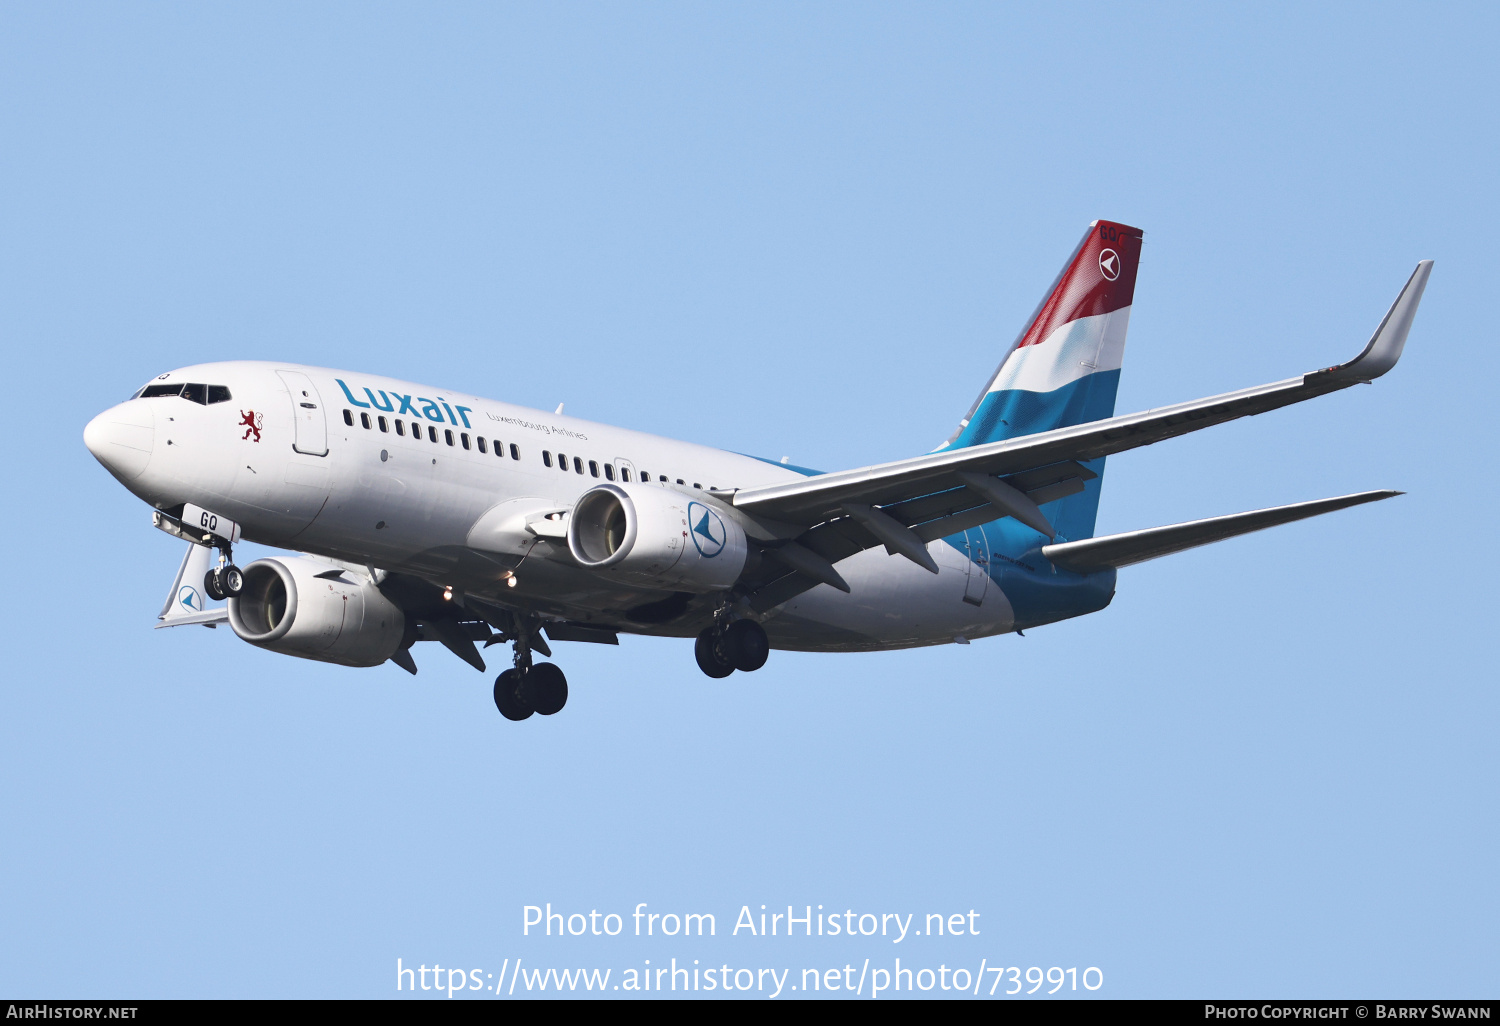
(741, 645)
(538, 689)
(525, 688)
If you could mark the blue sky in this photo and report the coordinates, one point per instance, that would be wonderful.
(793, 230)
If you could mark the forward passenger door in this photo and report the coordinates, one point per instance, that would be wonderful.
(311, 426)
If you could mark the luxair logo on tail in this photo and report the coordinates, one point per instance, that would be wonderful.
(1065, 366)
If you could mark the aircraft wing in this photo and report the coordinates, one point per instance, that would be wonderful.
(185, 602)
(808, 526)
(821, 498)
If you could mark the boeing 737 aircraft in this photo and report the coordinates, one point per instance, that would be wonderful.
(416, 513)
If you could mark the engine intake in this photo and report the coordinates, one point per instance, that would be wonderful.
(656, 538)
(286, 607)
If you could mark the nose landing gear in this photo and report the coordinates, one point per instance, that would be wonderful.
(525, 688)
(741, 645)
(226, 580)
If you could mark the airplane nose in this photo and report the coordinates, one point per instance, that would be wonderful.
(122, 437)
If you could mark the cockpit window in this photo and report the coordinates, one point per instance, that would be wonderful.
(203, 395)
(157, 391)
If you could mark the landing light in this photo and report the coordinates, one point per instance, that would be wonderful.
(448, 593)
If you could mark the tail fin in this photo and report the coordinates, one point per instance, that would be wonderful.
(1064, 368)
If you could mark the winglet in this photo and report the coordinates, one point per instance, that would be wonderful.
(1389, 339)
(185, 601)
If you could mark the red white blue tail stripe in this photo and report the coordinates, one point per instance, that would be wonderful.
(1064, 368)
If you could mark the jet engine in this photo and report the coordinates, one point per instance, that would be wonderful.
(656, 538)
(314, 610)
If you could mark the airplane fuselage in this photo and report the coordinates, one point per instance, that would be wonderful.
(448, 487)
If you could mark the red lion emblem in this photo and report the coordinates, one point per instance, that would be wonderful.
(251, 422)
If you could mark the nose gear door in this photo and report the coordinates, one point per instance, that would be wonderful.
(307, 411)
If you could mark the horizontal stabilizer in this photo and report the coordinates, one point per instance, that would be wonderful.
(1117, 550)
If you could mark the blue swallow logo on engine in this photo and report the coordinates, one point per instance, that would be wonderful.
(188, 598)
(708, 530)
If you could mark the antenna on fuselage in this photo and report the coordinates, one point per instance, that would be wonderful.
(559, 409)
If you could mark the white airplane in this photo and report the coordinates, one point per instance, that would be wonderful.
(419, 513)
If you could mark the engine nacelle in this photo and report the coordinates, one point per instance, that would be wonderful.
(656, 538)
(286, 607)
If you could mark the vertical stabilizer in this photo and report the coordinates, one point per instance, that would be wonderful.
(1064, 368)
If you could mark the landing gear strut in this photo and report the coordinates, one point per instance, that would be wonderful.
(722, 649)
(526, 688)
(226, 580)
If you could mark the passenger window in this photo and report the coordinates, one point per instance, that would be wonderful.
(546, 458)
(578, 464)
(218, 394)
(364, 418)
(679, 480)
(383, 425)
(515, 451)
(401, 428)
(479, 441)
(416, 430)
(499, 448)
(645, 478)
(562, 462)
(593, 468)
(448, 434)
(464, 438)
(348, 418)
(432, 433)
(625, 474)
(609, 472)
